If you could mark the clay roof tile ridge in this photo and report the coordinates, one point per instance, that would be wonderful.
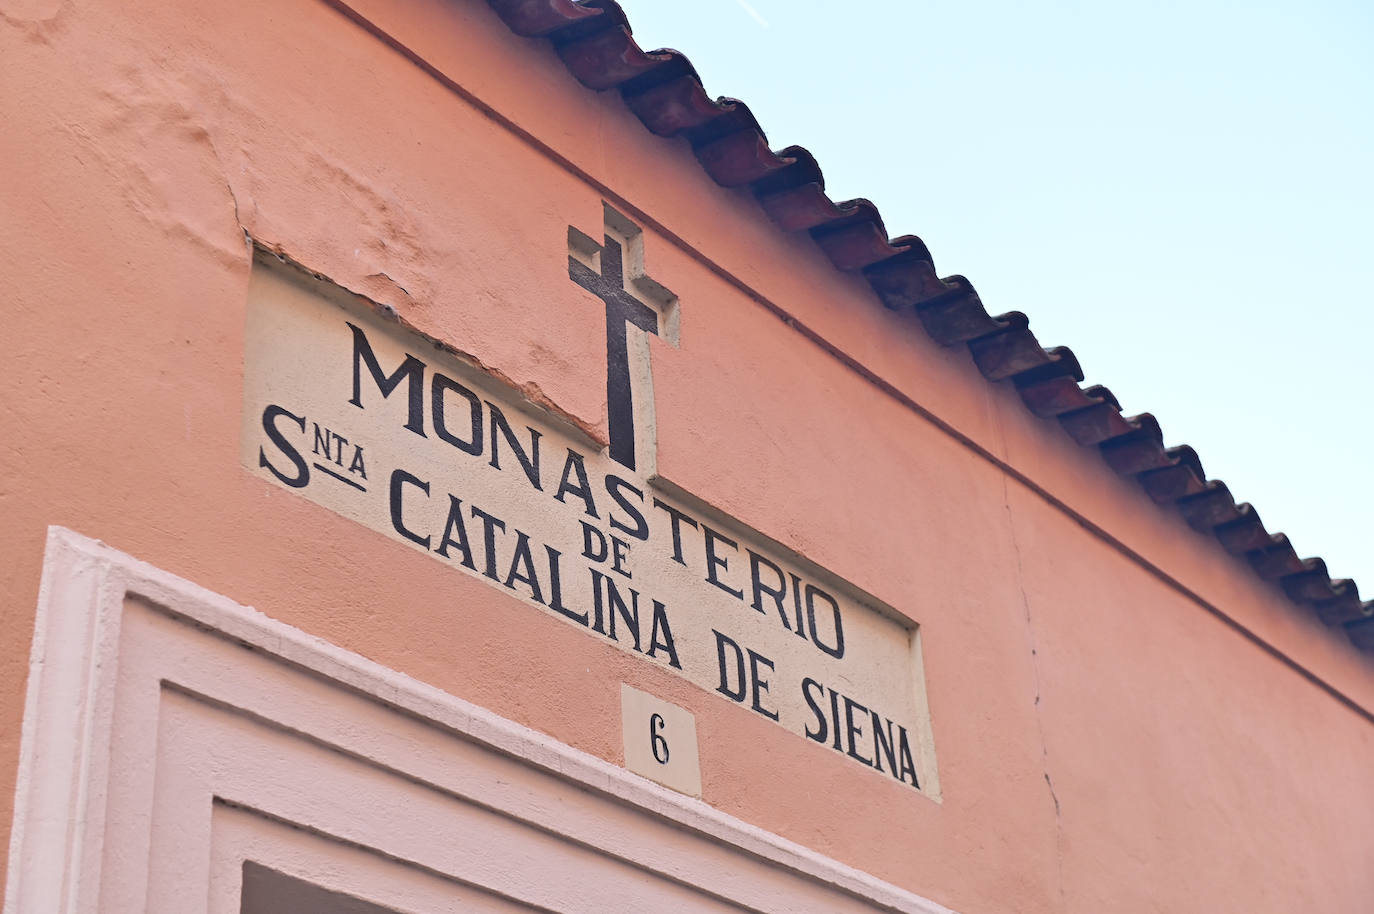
(663, 89)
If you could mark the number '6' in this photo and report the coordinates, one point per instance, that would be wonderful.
(656, 740)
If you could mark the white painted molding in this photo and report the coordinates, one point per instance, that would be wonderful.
(65, 775)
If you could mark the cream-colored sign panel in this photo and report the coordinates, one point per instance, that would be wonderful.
(660, 740)
(384, 427)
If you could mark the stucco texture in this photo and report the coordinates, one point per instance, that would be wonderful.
(1106, 738)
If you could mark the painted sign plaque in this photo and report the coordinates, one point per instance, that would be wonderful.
(375, 422)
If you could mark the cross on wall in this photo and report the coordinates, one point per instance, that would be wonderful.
(623, 309)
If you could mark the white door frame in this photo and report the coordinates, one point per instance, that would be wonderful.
(171, 734)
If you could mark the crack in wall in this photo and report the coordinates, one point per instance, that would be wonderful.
(238, 220)
(1035, 678)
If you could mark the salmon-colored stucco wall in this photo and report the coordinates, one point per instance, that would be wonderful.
(1105, 741)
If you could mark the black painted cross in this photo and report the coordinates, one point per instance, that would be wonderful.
(622, 309)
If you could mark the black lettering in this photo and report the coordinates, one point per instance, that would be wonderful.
(837, 649)
(473, 444)
(760, 684)
(657, 743)
(529, 462)
(882, 744)
(601, 550)
(904, 752)
(357, 465)
(640, 530)
(722, 642)
(398, 479)
(835, 719)
(269, 425)
(797, 605)
(778, 592)
(339, 442)
(677, 518)
(629, 613)
(489, 527)
(412, 371)
(556, 588)
(583, 488)
(455, 524)
(821, 729)
(714, 561)
(598, 611)
(323, 437)
(620, 550)
(854, 731)
(662, 636)
(522, 557)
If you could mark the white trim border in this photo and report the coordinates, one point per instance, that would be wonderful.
(58, 827)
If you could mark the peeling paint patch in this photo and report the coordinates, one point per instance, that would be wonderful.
(177, 181)
(35, 16)
(529, 390)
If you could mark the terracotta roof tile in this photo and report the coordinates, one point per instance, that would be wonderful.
(663, 90)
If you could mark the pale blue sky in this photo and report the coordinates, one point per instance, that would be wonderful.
(1181, 192)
